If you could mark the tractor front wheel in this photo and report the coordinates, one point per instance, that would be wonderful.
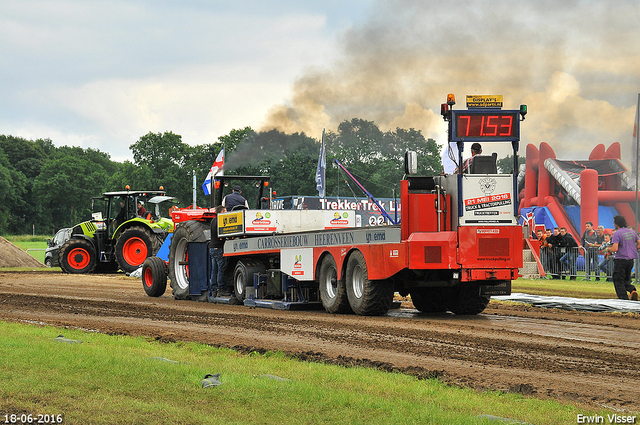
(133, 247)
(154, 276)
(77, 256)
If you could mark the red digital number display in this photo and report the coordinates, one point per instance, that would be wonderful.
(488, 125)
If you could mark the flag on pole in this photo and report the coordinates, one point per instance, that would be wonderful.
(320, 171)
(448, 162)
(634, 148)
(216, 168)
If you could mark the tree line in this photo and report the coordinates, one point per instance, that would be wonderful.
(45, 188)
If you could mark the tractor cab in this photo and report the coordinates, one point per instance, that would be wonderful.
(252, 187)
(121, 232)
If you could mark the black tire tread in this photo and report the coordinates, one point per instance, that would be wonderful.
(62, 256)
(428, 300)
(466, 299)
(142, 232)
(192, 231)
(340, 305)
(377, 294)
(159, 276)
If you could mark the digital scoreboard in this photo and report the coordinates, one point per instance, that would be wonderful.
(485, 125)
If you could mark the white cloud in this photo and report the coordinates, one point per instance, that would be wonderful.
(102, 74)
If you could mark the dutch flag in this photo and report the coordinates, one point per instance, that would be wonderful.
(216, 168)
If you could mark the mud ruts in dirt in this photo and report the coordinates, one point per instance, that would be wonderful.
(588, 358)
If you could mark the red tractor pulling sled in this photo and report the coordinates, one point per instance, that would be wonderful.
(458, 241)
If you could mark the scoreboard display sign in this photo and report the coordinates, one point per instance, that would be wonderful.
(485, 125)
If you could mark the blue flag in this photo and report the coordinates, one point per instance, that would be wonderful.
(216, 168)
(320, 171)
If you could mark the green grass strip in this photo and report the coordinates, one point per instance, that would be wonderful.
(125, 380)
(565, 288)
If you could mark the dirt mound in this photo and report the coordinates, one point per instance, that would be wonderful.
(12, 256)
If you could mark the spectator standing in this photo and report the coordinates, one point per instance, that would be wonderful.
(590, 248)
(606, 264)
(625, 244)
(542, 242)
(553, 243)
(568, 247)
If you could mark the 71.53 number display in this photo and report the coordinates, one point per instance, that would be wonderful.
(486, 125)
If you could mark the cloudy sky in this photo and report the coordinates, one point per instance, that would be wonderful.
(101, 74)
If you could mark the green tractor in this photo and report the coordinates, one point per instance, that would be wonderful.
(121, 233)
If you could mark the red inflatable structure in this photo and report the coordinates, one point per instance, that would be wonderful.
(589, 184)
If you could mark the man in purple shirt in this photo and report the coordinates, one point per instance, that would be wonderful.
(626, 245)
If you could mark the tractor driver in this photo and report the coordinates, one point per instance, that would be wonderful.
(235, 199)
(476, 149)
(122, 215)
(141, 209)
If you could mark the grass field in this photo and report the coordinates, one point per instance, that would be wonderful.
(124, 380)
(565, 288)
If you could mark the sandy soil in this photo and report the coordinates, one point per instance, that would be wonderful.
(12, 256)
(588, 358)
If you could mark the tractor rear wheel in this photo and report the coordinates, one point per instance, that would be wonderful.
(466, 299)
(188, 231)
(77, 256)
(154, 276)
(366, 297)
(110, 267)
(333, 291)
(428, 300)
(133, 247)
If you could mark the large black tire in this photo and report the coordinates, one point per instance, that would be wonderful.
(428, 300)
(104, 267)
(158, 240)
(243, 276)
(133, 247)
(77, 256)
(154, 276)
(333, 292)
(466, 299)
(188, 231)
(366, 297)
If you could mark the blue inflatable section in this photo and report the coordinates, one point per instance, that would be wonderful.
(541, 215)
(163, 252)
(605, 216)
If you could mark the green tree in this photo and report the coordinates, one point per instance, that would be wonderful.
(505, 165)
(163, 158)
(375, 158)
(65, 186)
(9, 195)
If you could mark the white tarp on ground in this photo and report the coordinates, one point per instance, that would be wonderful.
(566, 303)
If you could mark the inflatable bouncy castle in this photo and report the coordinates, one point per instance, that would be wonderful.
(568, 193)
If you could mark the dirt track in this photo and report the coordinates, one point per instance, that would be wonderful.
(589, 358)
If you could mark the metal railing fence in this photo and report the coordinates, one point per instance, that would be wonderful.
(590, 263)
(37, 253)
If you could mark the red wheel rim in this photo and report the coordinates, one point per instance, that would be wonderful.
(78, 258)
(186, 260)
(134, 251)
(148, 277)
